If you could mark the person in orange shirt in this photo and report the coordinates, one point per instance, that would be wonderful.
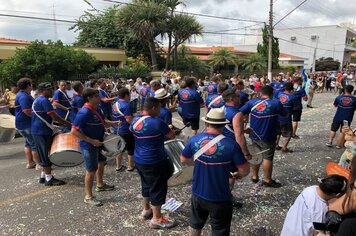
(10, 99)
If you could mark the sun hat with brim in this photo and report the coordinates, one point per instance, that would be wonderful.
(45, 85)
(161, 94)
(216, 116)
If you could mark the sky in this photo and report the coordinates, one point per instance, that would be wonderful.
(312, 13)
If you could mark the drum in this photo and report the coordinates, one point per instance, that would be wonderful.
(113, 145)
(7, 128)
(182, 173)
(65, 151)
(256, 152)
(179, 124)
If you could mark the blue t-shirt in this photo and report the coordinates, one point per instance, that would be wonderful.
(277, 88)
(90, 124)
(144, 93)
(23, 102)
(212, 89)
(299, 94)
(288, 100)
(63, 99)
(219, 102)
(105, 106)
(230, 112)
(243, 98)
(149, 140)
(121, 115)
(77, 103)
(212, 168)
(189, 103)
(165, 115)
(345, 108)
(264, 117)
(43, 108)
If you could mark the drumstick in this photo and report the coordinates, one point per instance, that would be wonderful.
(111, 139)
(66, 115)
(258, 153)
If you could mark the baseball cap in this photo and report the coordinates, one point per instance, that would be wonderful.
(45, 85)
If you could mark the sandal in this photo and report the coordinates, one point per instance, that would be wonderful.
(278, 148)
(272, 184)
(132, 169)
(255, 180)
(286, 150)
(121, 168)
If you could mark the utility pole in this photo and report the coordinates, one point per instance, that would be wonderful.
(55, 25)
(270, 38)
(314, 56)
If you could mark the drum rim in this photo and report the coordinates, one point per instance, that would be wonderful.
(173, 140)
(62, 165)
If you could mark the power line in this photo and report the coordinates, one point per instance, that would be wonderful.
(241, 28)
(192, 13)
(285, 40)
(290, 12)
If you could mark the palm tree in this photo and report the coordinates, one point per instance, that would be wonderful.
(222, 58)
(184, 51)
(254, 62)
(145, 20)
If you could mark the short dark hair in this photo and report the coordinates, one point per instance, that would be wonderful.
(227, 95)
(267, 90)
(349, 88)
(189, 82)
(23, 83)
(123, 92)
(100, 81)
(89, 92)
(150, 103)
(214, 79)
(217, 126)
(289, 86)
(222, 87)
(77, 85)
(333, 184)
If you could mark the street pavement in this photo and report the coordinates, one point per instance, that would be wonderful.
(29, 208)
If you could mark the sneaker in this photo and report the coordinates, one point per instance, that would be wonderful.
(93, 201)
(105, 187)
(146, 214)
(328, 144)
(42, 180)
(54, 182)
(162, 223)
(272, 184)
(31, 166)
(295, 137)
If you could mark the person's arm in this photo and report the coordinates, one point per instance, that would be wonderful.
(75, 131)
(60, 106)
(26, 106)
(187, 155)
(238, 125)
(59, 119)
(56, 98)
(168, 133)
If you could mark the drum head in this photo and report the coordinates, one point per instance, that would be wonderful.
(66, 158)
(182, 177)
(257, 156)
(113, 144)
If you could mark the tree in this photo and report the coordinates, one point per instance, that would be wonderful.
(262, 49)
(326, 64)
(254, 62)
(222, 58)
(46, 62)
(145, 20)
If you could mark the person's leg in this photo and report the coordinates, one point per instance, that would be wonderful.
(220, 218)
(286, 142)
(277, 142)
(119, 161)
(199, 215)
(255, 169)
(89, 178)
(267, 166)
(130, 161)
(100, 174)
(29, 159)
(146, 203)
(295, 127)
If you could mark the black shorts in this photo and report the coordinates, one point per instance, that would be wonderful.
(296, 115)
(154, 181)
(220, 215)
(130, 143)
(262, 145)
(336, 125)
(194, 122)
(286, 130)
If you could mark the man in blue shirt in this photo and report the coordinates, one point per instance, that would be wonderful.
(154, 86)
(346, 105)
(89, 125)
(121, 111)
(23, 113)
(243, 96)
(213, 155)
(151, 161)
(78, 100)
(300, 94)
(42, 131)
(144, 93)
(215, 100)
(61, 101)
(106, 100)
(190, 103)
(213, 86)
(288, 101)
(264, 113)
(278, 86)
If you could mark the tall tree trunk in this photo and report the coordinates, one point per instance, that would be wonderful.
(169, 50)
(152, 48)
(175, 57)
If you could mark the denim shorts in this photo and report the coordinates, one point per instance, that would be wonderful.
(29, 142)
(43, 144)
(91, 158)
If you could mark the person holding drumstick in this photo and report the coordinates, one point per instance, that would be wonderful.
(89, 125)
(78, 100)
(42, 131)
(62, 103)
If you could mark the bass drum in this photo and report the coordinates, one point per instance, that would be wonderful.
(113, 145)
(182, 173)
(65, 151)
(7, 128)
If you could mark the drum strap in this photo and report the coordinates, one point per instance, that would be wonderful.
(41, 118)
(118, 108)
(139, 121)
(208, 145)
(227, 126)
(102, 121)
(65, 95)
(214, 100)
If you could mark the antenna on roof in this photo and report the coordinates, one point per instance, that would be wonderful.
(55, 25)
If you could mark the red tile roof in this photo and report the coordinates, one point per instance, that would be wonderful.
(285, 55)
(13, 41)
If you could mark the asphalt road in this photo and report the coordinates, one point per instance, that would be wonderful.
(28, 208)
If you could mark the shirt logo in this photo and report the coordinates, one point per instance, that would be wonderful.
(283, 98)
(143, 91)
(346, 101)
(261, 107)
(210, 88)
(185, 95)
(213, 152)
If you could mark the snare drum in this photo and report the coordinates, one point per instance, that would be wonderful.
(182, 173)
(113, 145)
(7, 128)
(65, 151)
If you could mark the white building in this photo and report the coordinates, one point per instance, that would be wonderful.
(330, 41)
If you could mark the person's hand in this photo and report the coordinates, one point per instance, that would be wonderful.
(248, 157)
(347, 131)
(248, 131)
(235, 175)
(177, 131)
(118, 123)
(96, 143)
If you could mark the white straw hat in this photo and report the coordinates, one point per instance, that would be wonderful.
(161, 94)
(216, 116)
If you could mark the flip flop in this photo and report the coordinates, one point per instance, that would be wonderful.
(130, 170)
(121, 168)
